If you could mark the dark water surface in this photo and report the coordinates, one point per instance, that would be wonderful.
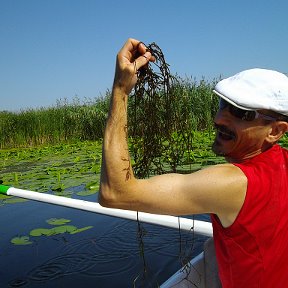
(107, 255)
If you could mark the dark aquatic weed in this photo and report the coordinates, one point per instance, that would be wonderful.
(151, 109)
(168, 112)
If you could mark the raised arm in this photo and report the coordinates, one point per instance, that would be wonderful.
(220, 189)
(117, 174)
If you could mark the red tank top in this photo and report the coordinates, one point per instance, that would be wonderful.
(253, 251)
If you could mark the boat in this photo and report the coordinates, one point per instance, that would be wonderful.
(201, 271)
(193, 276)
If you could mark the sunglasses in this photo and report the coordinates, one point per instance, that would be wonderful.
(246, 115)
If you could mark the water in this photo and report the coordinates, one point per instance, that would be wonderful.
(107, 255)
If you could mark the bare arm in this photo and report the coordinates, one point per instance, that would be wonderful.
(220, 189)
(116, 171)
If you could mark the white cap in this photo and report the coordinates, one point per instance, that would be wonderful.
(256, 89)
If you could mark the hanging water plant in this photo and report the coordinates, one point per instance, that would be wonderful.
(152, 87)
(156, 109)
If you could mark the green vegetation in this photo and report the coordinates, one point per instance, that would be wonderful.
(59, 229)
(73, 170)
(179, 141)
(192, 107)
(164, 127)
(56, 168)
(66, 122)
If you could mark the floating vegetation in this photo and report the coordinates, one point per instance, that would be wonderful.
(56, 221)
(21, 240)
(55, 171)
(58, 229)
(12, 200)
(79, 230)
(92, 185)
(86, 193)
(53, 231)
(42, 169)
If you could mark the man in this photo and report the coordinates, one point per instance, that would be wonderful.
(247, 197)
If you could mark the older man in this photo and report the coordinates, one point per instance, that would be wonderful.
(247, 197)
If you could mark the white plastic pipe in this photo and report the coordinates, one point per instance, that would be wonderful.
(199, 227)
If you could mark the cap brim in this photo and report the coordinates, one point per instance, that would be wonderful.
(231, 102)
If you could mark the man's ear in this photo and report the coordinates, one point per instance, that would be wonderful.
(278, 129)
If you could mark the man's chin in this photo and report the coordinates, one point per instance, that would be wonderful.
(217, 149)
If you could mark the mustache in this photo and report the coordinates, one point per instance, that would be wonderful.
(224, 130)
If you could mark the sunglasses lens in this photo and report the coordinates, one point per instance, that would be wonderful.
(250, 116)
(237, 112)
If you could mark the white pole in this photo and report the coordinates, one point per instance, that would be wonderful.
(199, 227)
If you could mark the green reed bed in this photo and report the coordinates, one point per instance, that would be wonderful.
(63, 122)
(191, 108)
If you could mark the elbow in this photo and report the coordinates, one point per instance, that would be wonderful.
(109, 197)
(116, 194)
(105, 198)
(107, 203)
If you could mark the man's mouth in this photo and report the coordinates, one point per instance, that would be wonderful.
(224, 133)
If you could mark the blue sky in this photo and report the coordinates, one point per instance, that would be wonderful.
(60, 49)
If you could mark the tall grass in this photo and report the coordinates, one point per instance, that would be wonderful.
(191, 108)
(63, 122)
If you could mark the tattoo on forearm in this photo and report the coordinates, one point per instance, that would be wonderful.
(128, 169)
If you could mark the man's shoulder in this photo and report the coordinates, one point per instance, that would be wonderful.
(224, 171)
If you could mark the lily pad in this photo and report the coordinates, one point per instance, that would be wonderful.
(86, 193)
(57, 221)
(58, 188)
(40, 232)
(21, 240)
(63, 193)
(53, 231)
(15, 200)
(81, 229)
(92, 185)
(62, 229)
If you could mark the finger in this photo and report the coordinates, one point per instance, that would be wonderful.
(141, 48)
(149, 57)
(136, 48)
(131, 46)
(143, 60)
